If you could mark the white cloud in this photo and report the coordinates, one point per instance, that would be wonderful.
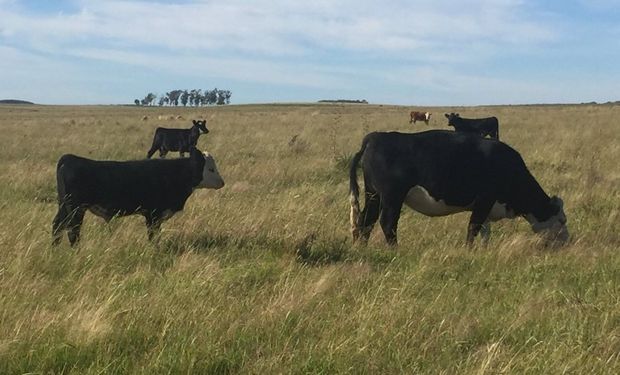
(258, 71)
(344, 46)
(284, 27)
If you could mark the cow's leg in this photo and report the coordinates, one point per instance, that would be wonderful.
(480, 213)
(485, 231)
(59, 224)
(182, 154)
(153, 224)
(369, 215)
(391, 205)
(75, 225)
(151, 151)
(162, 152)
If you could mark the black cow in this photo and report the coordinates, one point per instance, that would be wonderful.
(156, 189)
(179, 140)
(439, 173)
(483, 126)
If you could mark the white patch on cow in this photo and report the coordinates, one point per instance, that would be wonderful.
(427, 116)
(420, 200)
(500, 211)
(211, 178)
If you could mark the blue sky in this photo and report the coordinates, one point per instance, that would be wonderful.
(416, 52)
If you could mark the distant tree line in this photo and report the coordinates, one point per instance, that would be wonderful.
(193, 98)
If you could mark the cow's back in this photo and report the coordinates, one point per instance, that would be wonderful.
(125, 186)
(450, 165)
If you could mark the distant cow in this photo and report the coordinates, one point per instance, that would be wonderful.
(155, 189)
(179, 140)
(419, 116)
(482, 126)
(439, 173)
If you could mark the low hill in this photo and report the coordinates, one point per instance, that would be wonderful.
(14, 101)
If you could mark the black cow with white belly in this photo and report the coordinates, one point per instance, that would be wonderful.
(440, 173)
(180, 140)
(481, 126)
(155, 189)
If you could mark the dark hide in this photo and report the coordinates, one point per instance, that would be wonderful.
(155, 189)
(460, 172)
(482, 126)
(180, 140)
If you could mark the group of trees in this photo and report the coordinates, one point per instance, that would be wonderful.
(194, 97)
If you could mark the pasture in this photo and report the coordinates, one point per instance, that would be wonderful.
(261, 277)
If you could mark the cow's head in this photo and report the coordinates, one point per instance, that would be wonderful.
(201, 125)
(205, 170)
(427, 116)
(553, 229)
(451, 117)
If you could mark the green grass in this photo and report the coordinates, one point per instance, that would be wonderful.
(261, 276)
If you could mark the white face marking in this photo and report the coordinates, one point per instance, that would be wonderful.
(418, 199)
(553, 229)
(427, 116)
(211, 178)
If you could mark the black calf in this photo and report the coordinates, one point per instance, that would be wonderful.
(177, 139)
(482, 126)
(155, 189)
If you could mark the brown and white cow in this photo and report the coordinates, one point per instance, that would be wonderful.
(420, 116)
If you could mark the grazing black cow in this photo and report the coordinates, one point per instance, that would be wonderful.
(177, 139)
(439, 173)
(483, 126)
(156, 189)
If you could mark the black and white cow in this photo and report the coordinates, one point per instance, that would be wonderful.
(439, 173)
(155, 189)
(483, 126)
(179, 140)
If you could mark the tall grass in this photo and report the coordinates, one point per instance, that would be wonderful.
(261, 276)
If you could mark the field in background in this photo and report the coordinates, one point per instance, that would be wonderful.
(261, 277)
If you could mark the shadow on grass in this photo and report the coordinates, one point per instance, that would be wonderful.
(206, 242)
(311, 250)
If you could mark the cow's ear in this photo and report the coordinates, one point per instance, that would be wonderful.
(194, 122)
(447, 115)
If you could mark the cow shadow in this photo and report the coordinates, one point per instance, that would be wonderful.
(311, 250)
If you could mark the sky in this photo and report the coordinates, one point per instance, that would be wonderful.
(409, 52)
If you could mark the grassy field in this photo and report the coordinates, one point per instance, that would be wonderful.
(261, 277)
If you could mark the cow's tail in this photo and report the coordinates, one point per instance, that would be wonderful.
(354, 191)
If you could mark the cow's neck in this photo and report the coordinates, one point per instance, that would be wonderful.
(534, 203)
